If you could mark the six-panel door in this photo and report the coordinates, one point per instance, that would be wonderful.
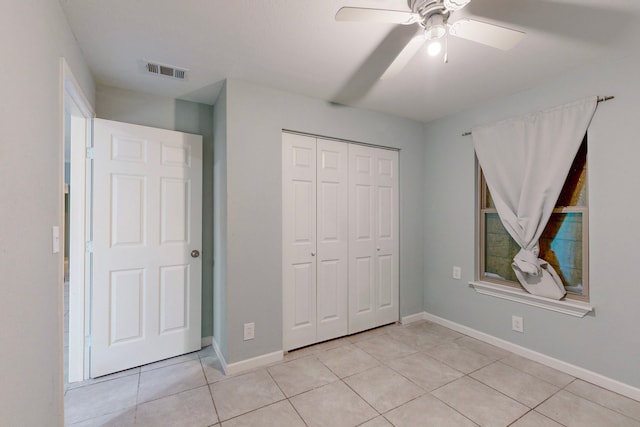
(147, 216)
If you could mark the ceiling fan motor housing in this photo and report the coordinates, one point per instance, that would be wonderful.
(428, 8)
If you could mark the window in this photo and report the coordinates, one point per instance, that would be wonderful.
(564, 242)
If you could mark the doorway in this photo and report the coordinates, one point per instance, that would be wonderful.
(76, 137)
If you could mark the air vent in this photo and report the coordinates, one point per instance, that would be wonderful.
(165, 70)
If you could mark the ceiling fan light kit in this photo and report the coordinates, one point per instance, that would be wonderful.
(434, 48)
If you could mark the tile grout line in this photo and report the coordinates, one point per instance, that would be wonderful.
(597, 403)
(135, 415)
(213, 402)
(287, 398)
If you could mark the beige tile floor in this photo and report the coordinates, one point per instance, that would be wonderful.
(420, 374)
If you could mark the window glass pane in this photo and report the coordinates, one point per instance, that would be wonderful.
(574, 192)
(488, 203)
(499, 250)
(560, 245)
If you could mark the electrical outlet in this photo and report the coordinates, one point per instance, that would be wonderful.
(517, 324)
(249, 331)
(457, 272)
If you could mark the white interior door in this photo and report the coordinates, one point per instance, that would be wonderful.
(332, 239)
(147, 219)
(373, 237)
(299, 240)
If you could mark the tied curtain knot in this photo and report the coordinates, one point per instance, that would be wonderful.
(527, 261)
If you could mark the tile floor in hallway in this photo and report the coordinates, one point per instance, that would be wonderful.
(420, 374)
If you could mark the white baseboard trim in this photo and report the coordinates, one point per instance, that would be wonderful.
(247, 364)
(216, 348)
(254, 362)
(206, 341)
(412, 318)
(573, 370)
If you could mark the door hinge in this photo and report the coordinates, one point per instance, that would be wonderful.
(89, 247)
(90, 153)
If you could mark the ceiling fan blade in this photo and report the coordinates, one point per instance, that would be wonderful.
(376, 15)
(488, 34)
(369, 72)
(404, 57)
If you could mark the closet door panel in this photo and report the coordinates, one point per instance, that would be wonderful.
(303, 290)
(299, 240)
(332, 239)
(362, 250)
(387, 243)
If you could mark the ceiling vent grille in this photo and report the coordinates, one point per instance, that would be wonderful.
(165, 70)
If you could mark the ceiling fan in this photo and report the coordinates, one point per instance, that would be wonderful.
(433, 17)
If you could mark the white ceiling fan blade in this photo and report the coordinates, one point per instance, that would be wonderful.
(487, 34)
(376, 15)
(404, 57)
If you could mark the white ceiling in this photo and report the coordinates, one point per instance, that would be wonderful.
(297, 46)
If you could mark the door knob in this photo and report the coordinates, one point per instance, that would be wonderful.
(313, 254)
(195, 253)
(378, 249)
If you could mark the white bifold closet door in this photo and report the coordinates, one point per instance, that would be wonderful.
(315, 240)
(373, 238)
(340, 239)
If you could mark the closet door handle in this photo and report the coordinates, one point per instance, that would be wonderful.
(313, 254)
(378, 249)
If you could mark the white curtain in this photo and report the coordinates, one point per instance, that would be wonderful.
(525, 161)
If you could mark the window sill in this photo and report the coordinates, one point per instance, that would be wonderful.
(572, 308)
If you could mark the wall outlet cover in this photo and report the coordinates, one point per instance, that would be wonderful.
(517, 324)
(249, 331)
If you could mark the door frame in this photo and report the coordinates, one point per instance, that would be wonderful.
(72, 96)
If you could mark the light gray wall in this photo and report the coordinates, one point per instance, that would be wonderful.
(255, 119)
(606, 342)
(183, 116)
(220, 221)
(33, 37)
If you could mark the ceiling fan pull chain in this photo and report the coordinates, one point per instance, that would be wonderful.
(446, 49)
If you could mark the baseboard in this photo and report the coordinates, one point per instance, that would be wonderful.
(254, 362)
(216, 348)
(412, 318)
(573, 370)
(247, 364)
(206, 341)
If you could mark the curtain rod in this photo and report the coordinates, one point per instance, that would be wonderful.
(600, 99)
